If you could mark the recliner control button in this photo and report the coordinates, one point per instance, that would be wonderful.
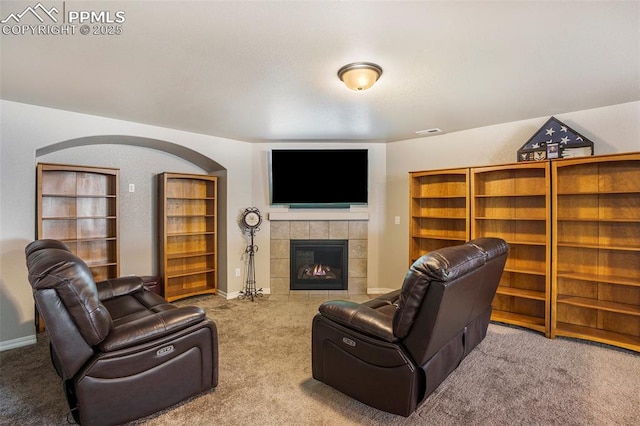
(348, 341)
(165, 350)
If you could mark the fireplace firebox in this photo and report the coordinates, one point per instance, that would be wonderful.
(319, 264)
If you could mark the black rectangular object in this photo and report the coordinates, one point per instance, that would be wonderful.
(319, 177)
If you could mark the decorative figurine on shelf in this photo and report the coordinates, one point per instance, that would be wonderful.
(250, 221)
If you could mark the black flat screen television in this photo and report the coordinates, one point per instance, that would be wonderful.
(319, 177)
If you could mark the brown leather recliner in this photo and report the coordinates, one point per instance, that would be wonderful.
(391, 352)
(122, 351)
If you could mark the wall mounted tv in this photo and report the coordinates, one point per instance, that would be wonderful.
(319, 177)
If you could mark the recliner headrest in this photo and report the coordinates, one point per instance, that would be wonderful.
(449, 263)
(494, 247)
(59, 269)
(45, 243)
(443, 265)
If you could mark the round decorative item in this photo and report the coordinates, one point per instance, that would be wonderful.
(251, 218)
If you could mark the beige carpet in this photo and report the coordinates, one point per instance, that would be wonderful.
(515, 377)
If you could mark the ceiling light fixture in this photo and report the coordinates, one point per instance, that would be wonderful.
(359, 75)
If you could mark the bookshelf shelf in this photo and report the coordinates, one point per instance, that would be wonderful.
(596, 275)
(188, 234)
(78, 205)
(512, 202)
(439, 210)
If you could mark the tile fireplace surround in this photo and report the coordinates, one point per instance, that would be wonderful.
(283, 231)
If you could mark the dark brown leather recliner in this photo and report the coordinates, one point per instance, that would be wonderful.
(393, 351)
(122, 351)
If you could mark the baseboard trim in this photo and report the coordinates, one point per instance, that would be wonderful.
(236, 294)
(18, 343)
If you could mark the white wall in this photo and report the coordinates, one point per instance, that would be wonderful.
(375, 208)
(26, 128)
(612, 129)
(138, 210)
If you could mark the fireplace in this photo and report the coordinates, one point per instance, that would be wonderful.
(319, 264)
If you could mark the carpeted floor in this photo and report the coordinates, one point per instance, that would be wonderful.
(514, 377)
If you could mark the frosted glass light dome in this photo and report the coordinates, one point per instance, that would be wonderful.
(360, 75)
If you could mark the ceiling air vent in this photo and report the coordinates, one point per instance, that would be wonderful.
(428, 132)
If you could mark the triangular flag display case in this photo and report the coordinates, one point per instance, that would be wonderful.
(555, 140)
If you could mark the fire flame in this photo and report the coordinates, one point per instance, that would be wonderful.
(319, 270)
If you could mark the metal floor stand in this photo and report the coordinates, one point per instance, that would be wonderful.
(250, 290)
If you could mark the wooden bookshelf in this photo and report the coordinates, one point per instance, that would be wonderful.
(512, 202)
(78, 205)
(439, 210)
(187, 213)
(596, 241)
(573, 229)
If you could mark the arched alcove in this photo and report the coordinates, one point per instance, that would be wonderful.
(194, 157)
(140, 159)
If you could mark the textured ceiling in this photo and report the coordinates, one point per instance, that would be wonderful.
(266, 71)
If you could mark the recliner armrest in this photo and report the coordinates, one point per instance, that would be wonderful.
(114, 287)
(383, 300)
(151, 327)
(359, 317)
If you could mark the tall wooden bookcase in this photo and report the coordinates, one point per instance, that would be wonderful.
(513, 202)
(439, 210)
(596, 241)
(573, 229)
(78, 205)
(187, 217)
